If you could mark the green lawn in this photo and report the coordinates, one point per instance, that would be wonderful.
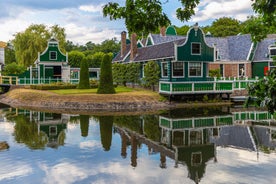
(119, 89)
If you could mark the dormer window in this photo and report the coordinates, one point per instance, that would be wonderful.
(53, 55)
(272, 50)
(196, 48)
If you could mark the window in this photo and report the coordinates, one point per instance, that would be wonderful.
(196, 158)
(178, 69)
(196, 48)
(217, 55)
(195, 70)
(53, 130)
(272, 51)
(53, 55)
(164, 69)
(241, 70)
(221, 69)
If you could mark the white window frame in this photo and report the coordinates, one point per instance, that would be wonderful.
(271, 47)
(143, 70)
(201, 69)
(50, 55)
(192, 48)
(162, 69)
(183, 70)
(217, 55)
(244, 69)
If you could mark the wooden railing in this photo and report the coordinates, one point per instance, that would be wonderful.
(201, 87)
(12, 80)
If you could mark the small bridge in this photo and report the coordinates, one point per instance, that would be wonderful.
(6, 82)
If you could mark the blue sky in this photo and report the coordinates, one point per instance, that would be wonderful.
(83, 19)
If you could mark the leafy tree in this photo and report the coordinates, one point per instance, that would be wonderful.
(94, 60)
(75, 58)
(34, 39)
(182, 30)
(13, 69)
(225, 26)
(84, 75)
(106, 81)
(152, 74)
(59, 33)
(258, 29)
(263, 92)
(141, 16)
(9, 54)
(133, 73)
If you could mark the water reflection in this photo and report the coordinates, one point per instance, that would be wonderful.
(188, 137)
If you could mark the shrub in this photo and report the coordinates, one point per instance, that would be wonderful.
(84, 75)
(106, 79)
(53, 86)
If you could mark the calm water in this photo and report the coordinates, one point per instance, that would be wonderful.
(208, 145)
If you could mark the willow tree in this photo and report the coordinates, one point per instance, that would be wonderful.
(34, 39)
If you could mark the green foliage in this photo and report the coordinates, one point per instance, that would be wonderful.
(151, 127)
(94, 60)
(187, 10)
(205, 98)
(34, 39)
(141, 16)
(133, 73)
(25, 132)
(84, 125)
(182, 30)
(9, 54)
(106, 125)
(13, 69)
(93, 84)
(263, 92)
(225, 26)
(258, 29)
(214, 73)
(75, 58)
(119, 73)
(54, 86)
(152, 74)
(106, 79)
(84, 75)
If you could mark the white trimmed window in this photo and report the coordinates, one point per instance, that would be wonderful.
(195, 69)
(164, 69)
(272, 50)
(53, 55)
(178, 69)
(196, 48)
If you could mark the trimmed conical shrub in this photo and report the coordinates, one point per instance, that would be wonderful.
(84, 75)
(106, 80)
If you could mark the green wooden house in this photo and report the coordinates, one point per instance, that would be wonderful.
(52, 66)
(185, 61)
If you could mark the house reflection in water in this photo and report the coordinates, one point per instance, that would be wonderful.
(194, 139)
(52, 125)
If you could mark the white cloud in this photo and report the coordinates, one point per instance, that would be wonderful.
(92, 8)
(215, 9)
(14, 169)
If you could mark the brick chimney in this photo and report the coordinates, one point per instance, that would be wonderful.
(163, 31)
(123, 43)
(133, 46)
